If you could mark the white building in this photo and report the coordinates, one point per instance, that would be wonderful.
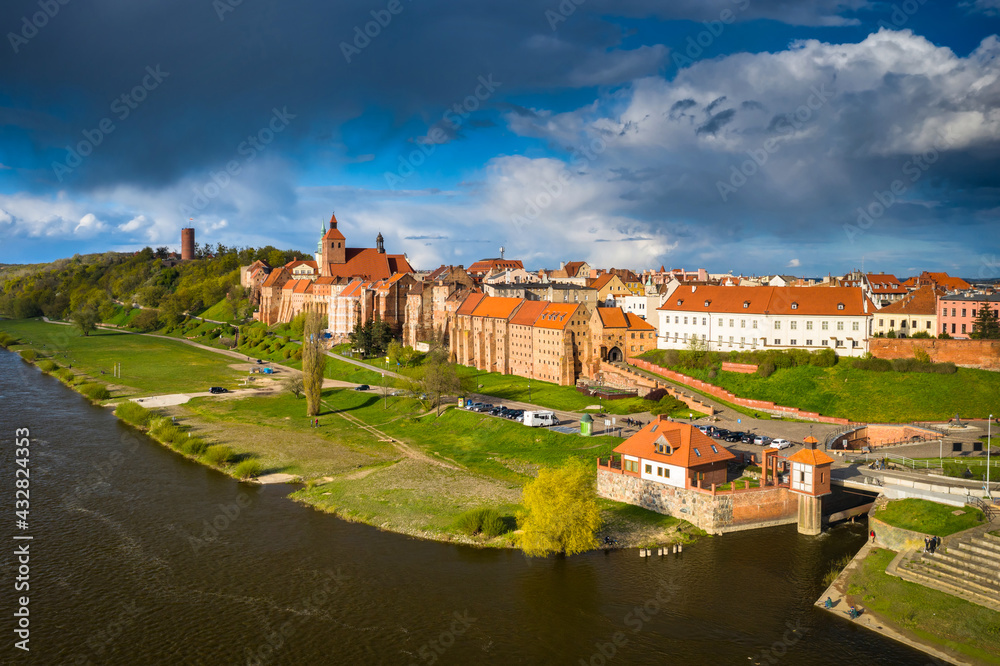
(745, 318)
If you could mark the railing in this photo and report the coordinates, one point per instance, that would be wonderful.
(988, 509)
(902, 460)
(611, 464)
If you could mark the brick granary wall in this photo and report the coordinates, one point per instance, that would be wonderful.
(983, 354)
(716, 514)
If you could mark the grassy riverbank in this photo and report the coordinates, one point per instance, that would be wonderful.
(932, 617)
(389, 463)
(927, 517)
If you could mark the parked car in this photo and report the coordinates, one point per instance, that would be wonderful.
(762, 440)
(733, 437)
(218, 389)
(362, 387)
(720, 433)
(704, 429)
(780, 443)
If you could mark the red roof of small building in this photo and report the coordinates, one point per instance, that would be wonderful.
(885, 283)
(370, 264)
(813, 457)
(923, 301)
(354, 289)
(637, 323)
(528, 313)
(612, 317)
(497, 307)
(469, 304)
(484, 266)
(557, 315)
(603, 280)
(687, 446)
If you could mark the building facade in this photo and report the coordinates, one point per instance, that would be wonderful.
(957, 314)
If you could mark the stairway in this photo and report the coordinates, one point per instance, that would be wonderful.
(967, 567)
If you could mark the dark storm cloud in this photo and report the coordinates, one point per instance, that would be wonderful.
(717, 122)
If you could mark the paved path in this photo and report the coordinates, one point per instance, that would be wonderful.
(365, 365)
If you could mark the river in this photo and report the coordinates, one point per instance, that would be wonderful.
(139, 556)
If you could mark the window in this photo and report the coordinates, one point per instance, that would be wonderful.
(714, 450)
(730, 339)
(746, 304)
(963, 328)
(631, 465)
(952, 328)
(795, 306)
(928, 324)
(913, 324)
(892, 323)
(743, 323)
(881, 323)
(963, 312)
(777, 341)
(685, 320)
(825, 325)
(730, 323)
(659, 471)
(706, 303)
(944, 328)
(742, 339)
(802, 477)
(777, 325)
(704, 321)
(973, 312)
(677, 320)
(822, 343)
(854, 326)
(840, 306)
(840, 325)
(953, 312)
(649, 469)
(793, 325)
(809, 343)
(720, 339)
(809, 326)
(720, 321)
(697, 453)
(793, 342)
(755, 323)
(666, 472)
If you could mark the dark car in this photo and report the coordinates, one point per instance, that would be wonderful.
(259, 361)
(362, 387)
(720, 433)
(218, 389)
(733, 437)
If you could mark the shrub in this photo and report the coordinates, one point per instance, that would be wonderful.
(95, 391)
(133, 413)
(667, 405)
(483, 521)
(656, 395)
(194, 446)
(891, 334)
(872, 363)
(713, 373)
(824, 358)
(921, 335)
(249, 468)
(765, 369)
(28, 355)
(48, 366)
(218, 454)
(6, 340)
(286, 352)
(65, 374)
(920, 355)
(904, 364)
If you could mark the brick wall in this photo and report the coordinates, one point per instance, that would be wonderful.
(722, 394)
(745, 368)
(715, 513)
(983, 354)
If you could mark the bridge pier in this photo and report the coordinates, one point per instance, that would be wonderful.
(810, 515)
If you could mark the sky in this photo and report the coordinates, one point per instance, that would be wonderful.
(753, 136)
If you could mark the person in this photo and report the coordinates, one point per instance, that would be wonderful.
(872, 535)
(828, 603)
(854, 613)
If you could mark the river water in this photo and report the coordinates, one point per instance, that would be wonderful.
(141, 557)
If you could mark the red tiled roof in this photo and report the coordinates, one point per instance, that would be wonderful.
(923, 301)
(470, 303)
(370, 264)
(557, 315)
(612, 317)
(498, 307)
(885, 283)
(486, 265)
(688, 446)
(528, 313)
(811, 457)
(273, 277)
(770, 300)
(333, 233)
(300, 262)
(637, 323)
(354, 289)
(303, 286)
(602, 281)
(573, 267)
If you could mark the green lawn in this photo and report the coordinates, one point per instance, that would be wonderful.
(932, 616)
(929, 517)
(868, 396)
(149, 365)
(221, 311)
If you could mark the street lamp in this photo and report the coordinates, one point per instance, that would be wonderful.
(988, 447)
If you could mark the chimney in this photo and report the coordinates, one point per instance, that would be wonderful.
(562, 265)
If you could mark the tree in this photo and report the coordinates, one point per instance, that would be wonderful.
(439, 379)
(147, 320)
(986, 326)
(85, 319)
(293, 385)
(313, 362)
(561, 511)
(371, 338)
(667, 405)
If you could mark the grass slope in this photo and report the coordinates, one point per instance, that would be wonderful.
(864, 395)
(934, 617)
(929, 517)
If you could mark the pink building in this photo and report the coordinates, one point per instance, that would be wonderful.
(957, 314)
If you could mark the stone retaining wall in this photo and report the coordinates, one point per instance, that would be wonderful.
(983, 354)
(722, 394)
(895, 538)
(715, 513)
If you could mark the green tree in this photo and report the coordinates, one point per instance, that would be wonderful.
(986, 326)
(561, 511)
(667, 405)
(293, 385)
(85, 320)
(147, 320)
(439, 378)
(313, 362)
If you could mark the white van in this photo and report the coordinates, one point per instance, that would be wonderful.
(535, 419)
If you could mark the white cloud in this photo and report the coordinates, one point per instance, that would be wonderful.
(89, 225)
(794, 263)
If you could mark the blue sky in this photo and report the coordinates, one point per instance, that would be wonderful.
(757, 136)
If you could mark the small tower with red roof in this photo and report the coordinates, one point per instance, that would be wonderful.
(334, 248)
(810, 480)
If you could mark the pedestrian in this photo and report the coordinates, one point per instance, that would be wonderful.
(872, 535)
(927, 545)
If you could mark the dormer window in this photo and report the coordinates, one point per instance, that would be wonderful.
(840, 306)
(707, 303)
(746, 304)
(679, 301)
(795, 306)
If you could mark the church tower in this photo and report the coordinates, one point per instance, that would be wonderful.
(334, 250)
(379, 243)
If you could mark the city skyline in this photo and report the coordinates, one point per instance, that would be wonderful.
(732, 135)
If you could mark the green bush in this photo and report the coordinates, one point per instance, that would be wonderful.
(194, 446)
(28, 355)
(485, 521)
(824, 358)
(6, 340)
(95, 391)
(133, 413)
(872, 363)
(667, 405)
(48, 366)
(656, 395)
(248, 469)
(66, 375)
(765, 369)
(218, 454)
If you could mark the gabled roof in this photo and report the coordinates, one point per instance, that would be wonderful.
(470, 303)
(354, 289)
(497, 307)
(295, 263)
(806, 301)
(885, 283)
(557, 315)
(369, 263)
(688, 447)
(923, 301)
(528, 313)
(333, 233)
(603, 280)
(637, 323)
(612, 317)
(811, 457)
(573, 267)
(484, 266)
(274, 276)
